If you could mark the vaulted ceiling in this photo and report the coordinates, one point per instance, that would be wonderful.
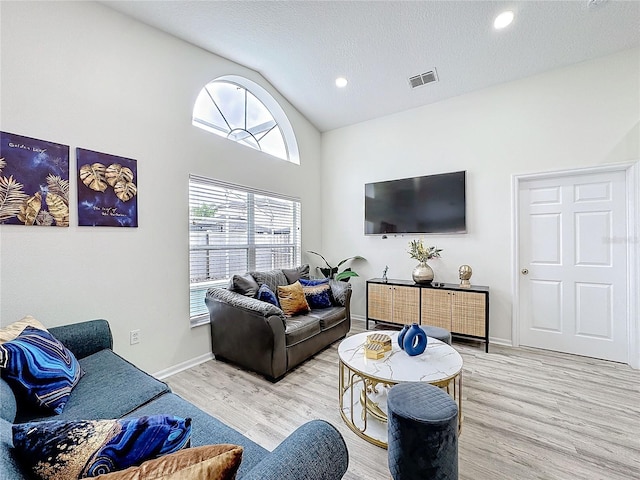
(301, 47)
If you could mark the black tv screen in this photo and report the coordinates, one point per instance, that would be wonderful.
(428, 204)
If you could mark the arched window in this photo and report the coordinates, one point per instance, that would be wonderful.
(243, 111)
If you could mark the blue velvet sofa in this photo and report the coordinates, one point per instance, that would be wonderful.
(114, 388)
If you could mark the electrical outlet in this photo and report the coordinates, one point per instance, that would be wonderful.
(134, 337)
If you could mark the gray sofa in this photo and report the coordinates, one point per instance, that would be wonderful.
(114, 388)
(258, 336)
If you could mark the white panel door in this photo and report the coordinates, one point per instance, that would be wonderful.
(573, 265)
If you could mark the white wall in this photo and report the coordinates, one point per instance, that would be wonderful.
(587, 114)
(80, 74)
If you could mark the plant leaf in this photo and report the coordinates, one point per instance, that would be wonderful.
(356, 257)
(117, 173)
(12, 197)
(346, 274)
(60, 187)
(325, 260)
(3, 164)
(58, 209)
(93, 176)
(44, 218)
(30, 208)
(125, 191)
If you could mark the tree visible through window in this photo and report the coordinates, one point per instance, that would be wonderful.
(242, 111)
(233, 230)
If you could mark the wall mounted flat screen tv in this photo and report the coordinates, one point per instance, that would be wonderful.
(428, 204)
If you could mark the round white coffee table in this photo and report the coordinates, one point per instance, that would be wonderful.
(364, 382)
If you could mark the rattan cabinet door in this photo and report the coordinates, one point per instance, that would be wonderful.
(379, 302)
(468, 313)
(436, 308)
(406, 305)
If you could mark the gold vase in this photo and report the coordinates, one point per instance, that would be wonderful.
(422, 273)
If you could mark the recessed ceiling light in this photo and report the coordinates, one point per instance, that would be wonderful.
(503, 20)
(341, 82)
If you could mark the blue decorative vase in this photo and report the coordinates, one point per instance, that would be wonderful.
(415, 340)
(401, 335)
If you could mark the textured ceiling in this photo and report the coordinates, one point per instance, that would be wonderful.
(300, 47)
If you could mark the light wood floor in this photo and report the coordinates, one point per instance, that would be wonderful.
(528, 414)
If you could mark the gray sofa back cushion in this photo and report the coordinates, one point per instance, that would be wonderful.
(272, 279)
(295, 274)
(244, 285)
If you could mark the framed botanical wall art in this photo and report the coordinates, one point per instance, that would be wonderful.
(34, 181)
(107, 190)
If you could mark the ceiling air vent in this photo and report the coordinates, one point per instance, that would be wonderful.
(423, 78)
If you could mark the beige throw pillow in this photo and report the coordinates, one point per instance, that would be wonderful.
(12, 331)
(211, 462)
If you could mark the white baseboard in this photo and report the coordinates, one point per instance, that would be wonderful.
(500, 341)
(358, 318)
(167, 372)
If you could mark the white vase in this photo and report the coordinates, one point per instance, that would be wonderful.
(422, 273)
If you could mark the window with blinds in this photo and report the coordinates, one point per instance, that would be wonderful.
(233, 230)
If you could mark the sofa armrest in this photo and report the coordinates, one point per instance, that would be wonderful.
(243, 302)
(8, 404)
(315, 451)
(248, 332)
(84, 338)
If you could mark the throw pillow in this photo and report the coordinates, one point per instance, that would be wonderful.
(244, 285)
(266, 295)
(60, 450)
(317, 292)
(295, 274)
(213, 462)
(11, 331)
(273, 279)
(39, 367)
(292, 300)
(339, 292)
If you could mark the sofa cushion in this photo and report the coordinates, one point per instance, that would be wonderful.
(317, 292)
(266, 295)
(110, 388)
(295, 274)
(292, 299)
(273, 279)
(39, 369)
(11, 331)
(205, 429)
(300, 328)
(213, 462)
(328, 317)
(61, 450)
(245, 285)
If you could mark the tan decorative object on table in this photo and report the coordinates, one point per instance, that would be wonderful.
(374, 351)
(464, 273)
(380, 339)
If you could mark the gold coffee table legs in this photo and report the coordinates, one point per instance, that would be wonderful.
(363, 403)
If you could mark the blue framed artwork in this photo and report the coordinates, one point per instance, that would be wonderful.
(107, 191)
(34, 181)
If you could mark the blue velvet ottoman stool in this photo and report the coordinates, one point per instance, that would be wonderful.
(441, 334)
(422, 422)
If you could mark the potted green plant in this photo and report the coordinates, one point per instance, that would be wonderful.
(332, 272)
(422, 273)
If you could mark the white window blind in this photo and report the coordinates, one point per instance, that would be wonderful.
(233, 230)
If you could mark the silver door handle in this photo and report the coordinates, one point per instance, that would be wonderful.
(524, 271)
